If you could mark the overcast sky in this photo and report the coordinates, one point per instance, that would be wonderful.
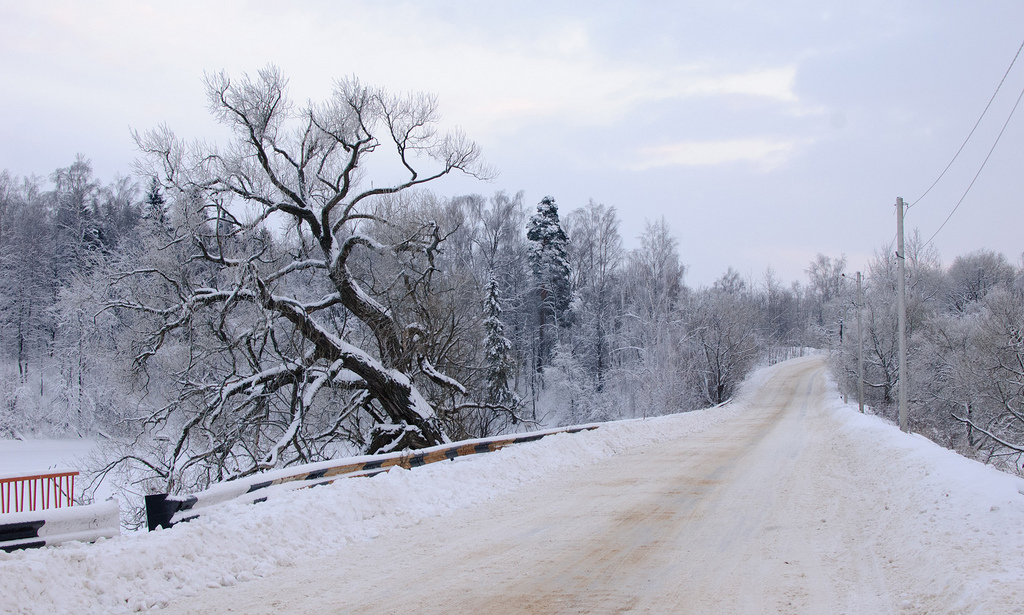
(764, 132)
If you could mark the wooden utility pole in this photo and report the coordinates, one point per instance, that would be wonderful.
(860, 345)
(901, 308)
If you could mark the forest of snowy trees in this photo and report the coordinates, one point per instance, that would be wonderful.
(965, 330)
(534, 319)
(223, 311)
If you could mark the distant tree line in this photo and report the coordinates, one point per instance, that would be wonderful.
(54, 235)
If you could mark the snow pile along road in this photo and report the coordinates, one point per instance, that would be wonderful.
(240, 542)
(948, 531)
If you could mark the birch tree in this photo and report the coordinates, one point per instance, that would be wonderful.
(597, 256)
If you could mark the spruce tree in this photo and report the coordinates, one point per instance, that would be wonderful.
(549, 263)
(155, 204)
(500, 367)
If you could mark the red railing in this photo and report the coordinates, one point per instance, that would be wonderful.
(40, 492)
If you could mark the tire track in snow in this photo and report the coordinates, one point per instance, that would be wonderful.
(791, 504)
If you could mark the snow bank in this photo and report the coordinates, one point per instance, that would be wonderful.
(959, 523)
(260, 487)
(237, 542)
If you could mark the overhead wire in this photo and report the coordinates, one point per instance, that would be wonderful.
(976, 124)
(984, 162)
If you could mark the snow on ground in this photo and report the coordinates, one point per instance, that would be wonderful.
(949, 514)
(783, 508)
(938, 493)
(238, 542)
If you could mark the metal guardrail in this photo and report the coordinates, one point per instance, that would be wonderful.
(39, 510)
(28, 530)
(42, 492)
(164, 510)
(60, 521)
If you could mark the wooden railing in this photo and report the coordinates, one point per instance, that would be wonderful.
(39, 492)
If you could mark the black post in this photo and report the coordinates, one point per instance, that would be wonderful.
(159, 511)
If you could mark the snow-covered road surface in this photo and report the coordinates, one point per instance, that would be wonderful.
(792, 504)
(786, 500)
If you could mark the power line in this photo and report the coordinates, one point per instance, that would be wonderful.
(984, 162)
(1001, 81)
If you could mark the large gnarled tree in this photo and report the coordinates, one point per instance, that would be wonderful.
(276, 311)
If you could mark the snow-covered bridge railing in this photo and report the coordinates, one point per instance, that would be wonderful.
(30, 529)
(37, 492)
(163, 510)
(39, 510)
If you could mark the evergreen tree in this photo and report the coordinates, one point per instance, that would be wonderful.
(156, 209)
(549, 262)
(500, 367)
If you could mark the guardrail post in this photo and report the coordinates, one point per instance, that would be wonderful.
(159, 511)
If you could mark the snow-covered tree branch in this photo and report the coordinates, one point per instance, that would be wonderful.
(272, 297)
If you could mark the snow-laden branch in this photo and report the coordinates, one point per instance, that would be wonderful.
(293, 428)
(296, 266)
(1014, 447)
(447, 381)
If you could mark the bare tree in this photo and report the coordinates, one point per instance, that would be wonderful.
(646, 355)
(779, 312)
(978, 362)
(596, 255)
(972, 276)
(293, 324)
(824, 293)
(724, 344)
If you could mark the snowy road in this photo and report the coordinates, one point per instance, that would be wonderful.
(783, 508)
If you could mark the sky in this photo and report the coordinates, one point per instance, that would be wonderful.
(764, 133)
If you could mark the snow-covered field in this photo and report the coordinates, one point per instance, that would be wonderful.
(960, 519)
(24, 457)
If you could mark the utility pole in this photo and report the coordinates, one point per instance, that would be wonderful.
(860, 345)
(901, 308)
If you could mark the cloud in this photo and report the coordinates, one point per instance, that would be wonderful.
(111, 64)
(586, 89)
(488, 75)
(496, 80)
(771, 83)
(767, 152)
